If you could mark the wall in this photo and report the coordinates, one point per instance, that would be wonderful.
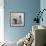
(29, 7)
(43, 6)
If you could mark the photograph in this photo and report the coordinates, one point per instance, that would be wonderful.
(17, 19)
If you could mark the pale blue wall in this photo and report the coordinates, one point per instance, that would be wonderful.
(43, 6)
(29, 7)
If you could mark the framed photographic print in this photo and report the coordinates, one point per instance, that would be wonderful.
(17, 18)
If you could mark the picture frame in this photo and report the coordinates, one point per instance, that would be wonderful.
(17, 19)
